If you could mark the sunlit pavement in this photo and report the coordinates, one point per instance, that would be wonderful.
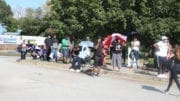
(29, 82)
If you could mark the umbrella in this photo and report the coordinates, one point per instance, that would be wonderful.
(107, 41)
(86, 43)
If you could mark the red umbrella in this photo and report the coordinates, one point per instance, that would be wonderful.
(107, 41)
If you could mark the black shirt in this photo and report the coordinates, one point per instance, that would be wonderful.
(116, 47)
(98, 51)
(48, 42)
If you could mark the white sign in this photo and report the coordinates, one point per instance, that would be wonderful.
(13, 39)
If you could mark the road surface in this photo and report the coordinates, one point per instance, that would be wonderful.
(26, 82)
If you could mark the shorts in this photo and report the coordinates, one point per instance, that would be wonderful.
(98, 61)
(65, 52)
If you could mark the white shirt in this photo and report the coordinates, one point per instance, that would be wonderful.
(135, 45)
(162, 49)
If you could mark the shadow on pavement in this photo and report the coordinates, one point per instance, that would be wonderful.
(18, 60)
(150, 67)
(106, 68)
(87, 72)
(144, 72)
(150, 88)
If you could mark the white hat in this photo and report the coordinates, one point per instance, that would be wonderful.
(164, 37)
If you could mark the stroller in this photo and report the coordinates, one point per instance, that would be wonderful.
(38, 52)
(86, 57)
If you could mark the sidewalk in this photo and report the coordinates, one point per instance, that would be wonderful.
(133, 74)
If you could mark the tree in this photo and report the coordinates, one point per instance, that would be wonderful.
(78, 16)
(32, 23)
(151, 18)
(6, 16)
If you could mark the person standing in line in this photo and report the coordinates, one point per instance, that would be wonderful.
(48, 44)
(105, 53)
(124, 50)
(55, 47)
(70, 47)
(135, 46)
(116, 54)
(65, 50)
(161, 54)
(23, 50)
(98, 57)
(174, 68)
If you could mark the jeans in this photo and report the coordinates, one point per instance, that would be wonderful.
(23, 54)
(134, 55)
(76, 63)
(161, 64)
(55, 52)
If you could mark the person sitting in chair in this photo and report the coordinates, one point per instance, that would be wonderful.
(76, 63)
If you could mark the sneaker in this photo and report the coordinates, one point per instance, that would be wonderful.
(159, 75)
(78, 70)
(165, 92)
(97, 75)
(164, 76)
(93, 75)
(72, 70)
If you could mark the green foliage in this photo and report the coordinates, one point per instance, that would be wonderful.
(33, 23)
(151, 18)
(6, 16)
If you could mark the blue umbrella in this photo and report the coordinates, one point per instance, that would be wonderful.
(86, 43)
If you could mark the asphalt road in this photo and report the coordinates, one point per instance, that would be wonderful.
(28, 82)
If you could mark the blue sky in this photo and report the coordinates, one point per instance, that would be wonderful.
(26, 3)
(22, 5)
